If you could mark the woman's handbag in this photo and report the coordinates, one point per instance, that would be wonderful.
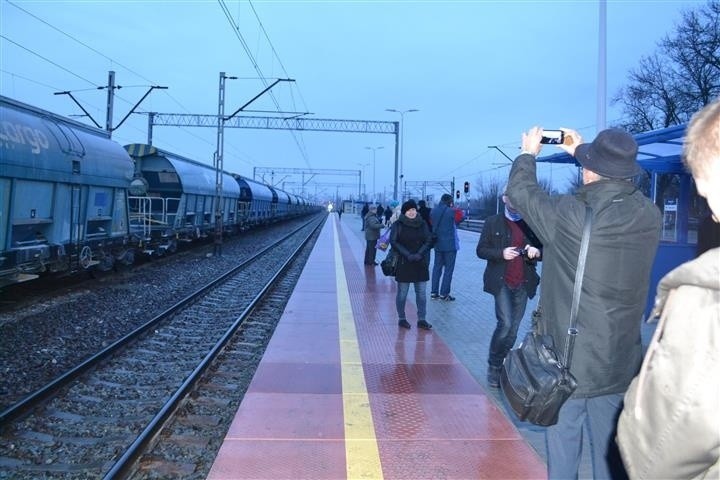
(534, 380)
(384, 241)
(389, 265)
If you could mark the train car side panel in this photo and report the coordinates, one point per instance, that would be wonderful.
(48, 161)
(179, 201)
(4, 213)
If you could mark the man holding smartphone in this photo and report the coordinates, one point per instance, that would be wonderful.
(624, 237)
(512, 251)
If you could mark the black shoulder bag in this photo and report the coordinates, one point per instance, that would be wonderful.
(389, 264)
(535, 382)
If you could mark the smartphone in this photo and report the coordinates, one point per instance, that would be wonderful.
(553, 137)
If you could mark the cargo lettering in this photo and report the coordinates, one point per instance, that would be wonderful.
(12, 134)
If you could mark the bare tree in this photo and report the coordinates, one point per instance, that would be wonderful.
(546, 185)
(695, 48)
(670, 85)
(489, 190)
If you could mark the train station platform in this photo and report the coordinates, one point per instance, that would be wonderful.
(342, 392)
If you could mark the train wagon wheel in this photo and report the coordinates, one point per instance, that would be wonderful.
(85, 257)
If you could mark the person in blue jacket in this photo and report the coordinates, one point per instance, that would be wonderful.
(443, 219)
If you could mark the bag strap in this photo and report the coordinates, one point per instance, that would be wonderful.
(579, 273)
(443, 214)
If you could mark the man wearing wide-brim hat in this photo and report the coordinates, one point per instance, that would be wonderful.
(623, 241)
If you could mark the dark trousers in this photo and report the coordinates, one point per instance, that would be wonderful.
(370, 251)
(444, 267)
(509, 310)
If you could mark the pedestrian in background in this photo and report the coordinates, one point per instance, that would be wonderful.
(363, 213)
(388, 213)
(442, 218)
(395, 206)
(372, 233)
(670, 424)
(624, 237)
(512, 251)
(424, 212)
(410, 238)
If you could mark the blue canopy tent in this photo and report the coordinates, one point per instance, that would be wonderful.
(671, 189)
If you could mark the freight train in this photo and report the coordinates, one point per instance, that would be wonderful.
(73, 199)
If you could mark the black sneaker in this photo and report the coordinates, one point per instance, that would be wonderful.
(404, 324)
(447, 298)
(434, 296)
(493, 377)
(424, 325)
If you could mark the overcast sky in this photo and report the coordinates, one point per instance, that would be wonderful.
(478, 72)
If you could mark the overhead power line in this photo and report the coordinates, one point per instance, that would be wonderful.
(272, 47)
(49, 61)
(236, 30)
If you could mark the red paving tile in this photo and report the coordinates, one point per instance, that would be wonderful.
(459, 459)
(411, 416)
(296, 342)
(280, 460)
(422, 378)
(390, 344)
(312, 301)
(296, 378)
(299, 416)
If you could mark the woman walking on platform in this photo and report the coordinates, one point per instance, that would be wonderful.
(410, 238)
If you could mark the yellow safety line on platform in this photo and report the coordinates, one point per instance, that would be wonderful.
(362, 456)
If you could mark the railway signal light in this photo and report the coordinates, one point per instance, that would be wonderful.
(466, 187)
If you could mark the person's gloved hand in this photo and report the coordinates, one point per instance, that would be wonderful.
(414, 257)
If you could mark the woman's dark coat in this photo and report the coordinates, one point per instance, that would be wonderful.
(409, 236)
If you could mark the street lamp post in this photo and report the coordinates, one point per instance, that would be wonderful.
(218, 157)
(218, 160)
(374, 149)
(362, 174)
(402, 136)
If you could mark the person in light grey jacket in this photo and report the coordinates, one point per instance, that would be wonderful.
(372, 233)
(670, 424)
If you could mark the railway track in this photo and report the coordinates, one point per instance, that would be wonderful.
(472, 225)
(100, 419)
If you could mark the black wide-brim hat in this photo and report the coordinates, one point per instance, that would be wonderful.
(612, 154)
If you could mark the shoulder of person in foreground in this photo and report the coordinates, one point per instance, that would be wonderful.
(673, 432)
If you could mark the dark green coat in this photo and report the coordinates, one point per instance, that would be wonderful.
(623, 241)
